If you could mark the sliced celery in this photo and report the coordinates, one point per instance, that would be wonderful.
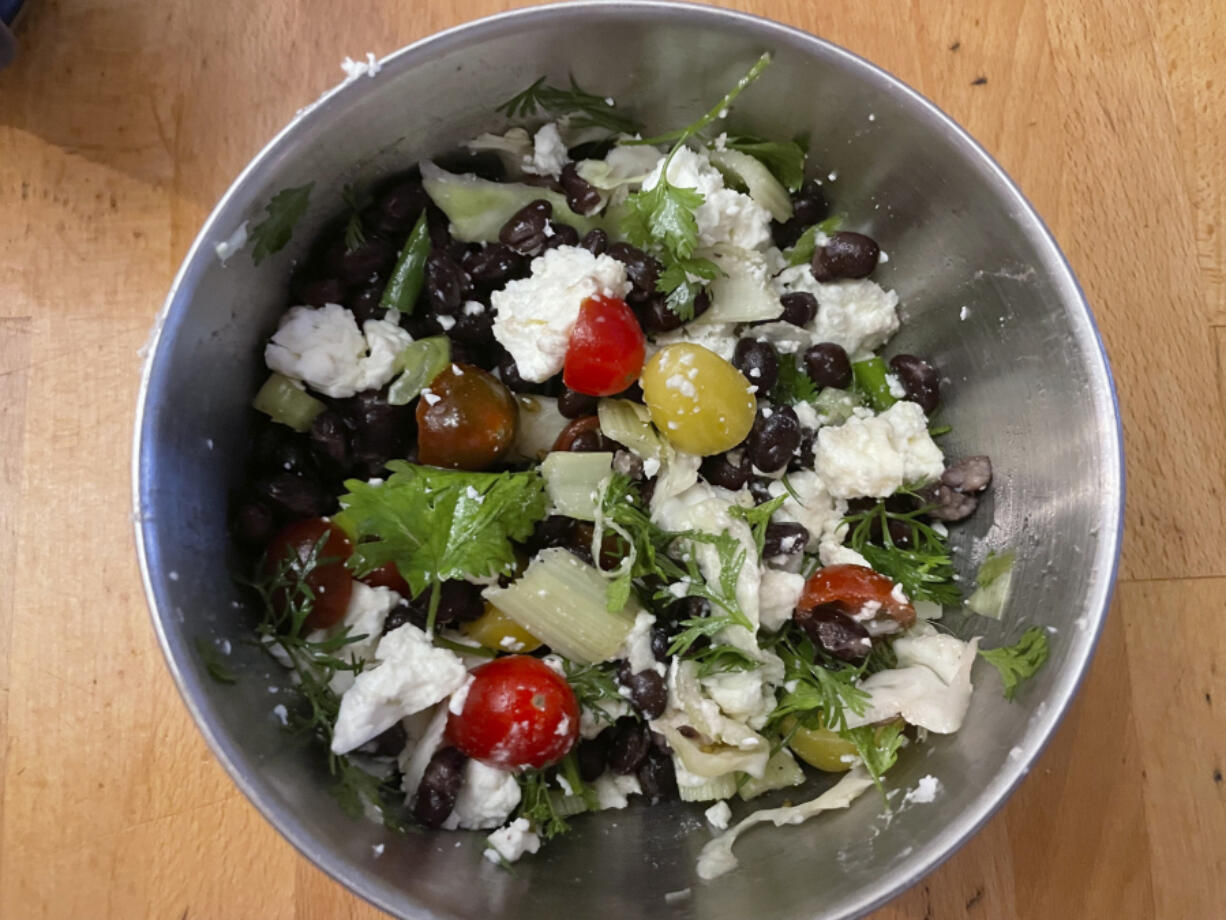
(421, 362)
(870, 378)
(743, 294)
(561, 600)
(573, 481)
(285, 401)
(540, 423)
(629, 423)
(835, 406)
(993, 582)
(478, 208)
(763, 187)
(721, 787)
(566, 805)
(781, 771)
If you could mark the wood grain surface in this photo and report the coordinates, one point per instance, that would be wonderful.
(122, 123)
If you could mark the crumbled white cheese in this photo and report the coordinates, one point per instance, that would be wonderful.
(636, 648)
(720, 338)
(806, 414)
(455, 704)
(858, 314)
(548, 153)
(367, 68)
(512, 842)
(412, 674)
(236, 241)
(486, 798)
(534, 315)
(778, 596)
(810, 503)
(368, 609)
(613, 790)
(324, 349)
(877, 456)
(924, 792)
(725, 215)
(718, 815)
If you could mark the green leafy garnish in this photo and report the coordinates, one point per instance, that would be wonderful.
(992, 585)
(284, 211)
(802, 250)
(536, 805)
(716, 659)
(437, 525)
(357, 199)
(937, 430)
(585, 110)
(878, 746)
(592, 685)
(213, 664)
(924, 568)
(1020, 661)
(785, 159)
(793, 385)
(822, 684)
(758, 518)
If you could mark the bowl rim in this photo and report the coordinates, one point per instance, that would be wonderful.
(1045, 720)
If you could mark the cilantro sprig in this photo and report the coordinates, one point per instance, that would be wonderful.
(661, 219)
(1019, 662)
(822, 684)
(793, 385)
(585, 110)
(924, 568)
(285, 209)
(437, 525)
(785, 159)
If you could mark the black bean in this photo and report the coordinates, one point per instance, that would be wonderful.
(486, 164)
(657, 777)
(330, 438)
(773, 439)
(555, 530)
(326, 290)
(758, 361)
(845, 255)
(595, 241)
(400, 206)
(785, 538)
(647, 690)
(388, 743)
(440, 784)
(296, 495)
(729, 470)
(900, 532)
(254, 524)
(799, 308)
(439, 226)
(592, 150)
(290, 453)
(493, 264)
(827, 365)
(508, 373)
(970, 474)
(641, 269)
(803, 457)
(759, 488)
(469, 353)
(833, 630)
(458, 602)
(446, 283)
(592, 755)
(629, 747)
(920, 379)
(525, 231)
(661, 639)
(947, 504)
(573, 404)
(634, 393)
(475, 328)
(366, 260)
(580, 195)
(562, 235)
(628, 463)
(364, 302)
(702, 303)
(403, 612)
(808, 207)
(655, 316)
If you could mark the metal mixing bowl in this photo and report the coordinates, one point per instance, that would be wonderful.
(1028, 384)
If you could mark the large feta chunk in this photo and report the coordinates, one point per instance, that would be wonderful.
(725, 215)
(548, 153)
(364, 617)
(878, 456)
(411, 675)
(507, 844)
(613, 790)
(748, 695)
(534, 315)
(778, 597)
(486, 798)
(324, 349)
(858, 314)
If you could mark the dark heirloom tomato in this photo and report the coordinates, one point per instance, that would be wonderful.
(387, 576)
(330, 581)
(606, 349)
(518, 712)
(850, 587)
(466, 419)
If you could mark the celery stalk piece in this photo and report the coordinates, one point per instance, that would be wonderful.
(420, 362)
(763, 187)
(835, 406)
(540, 423)
(743, 293)
(993, 582)
(629, 423)
(285, 401)
(871, 381)
(781, 771)
(573, 480)
(721, 787)
(478, 208)
(562, 601)
(566, 805)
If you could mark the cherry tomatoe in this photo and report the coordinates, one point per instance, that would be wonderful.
(387, 576)
(517, 712)
(330, 582)
(606, 349)
(851, 587)
(466, 419)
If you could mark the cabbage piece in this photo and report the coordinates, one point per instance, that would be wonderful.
(761, 184)
(744, 293)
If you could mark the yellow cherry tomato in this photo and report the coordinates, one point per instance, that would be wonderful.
(699, 401)
(498, 632)
(820, 747)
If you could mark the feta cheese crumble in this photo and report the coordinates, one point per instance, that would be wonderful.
(718, 815)
(877, 456)
(509, 843)
(725, 215)
(548, 153)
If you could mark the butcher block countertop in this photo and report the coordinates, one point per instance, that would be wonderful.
(122, 123)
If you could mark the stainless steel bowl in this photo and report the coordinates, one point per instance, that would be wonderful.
(1028, 384)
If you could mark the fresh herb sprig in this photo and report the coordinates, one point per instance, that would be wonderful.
(785, 159)
(758, 518)
(536, 804)
(924, 568)
(878, 746)
(357, 199)
(822, 684)
(793, 385)
(216, 668)
(285, 209)
(584, 109)
(593, 684)
(1019, 662)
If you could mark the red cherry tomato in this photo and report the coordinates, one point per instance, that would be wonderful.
(388, 576)
(466, 420)
(329, 580)
(518, 713)
(851, 587)
(606, 349)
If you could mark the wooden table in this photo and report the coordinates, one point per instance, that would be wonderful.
(123, 122)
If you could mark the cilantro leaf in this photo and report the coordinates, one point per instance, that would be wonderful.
(793, 385)
(785, 159)
(802, 250)
(877, 745)
(537, 806)
(1020, 661)
(586, 110)
(438, 524)
(758, 518)
(357, 199)
(284, 211)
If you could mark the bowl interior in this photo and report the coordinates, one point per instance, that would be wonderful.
(985, 294)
